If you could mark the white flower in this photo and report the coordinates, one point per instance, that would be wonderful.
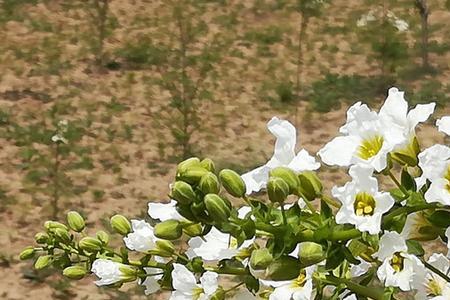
(59, 138)
(301, 288)
(186, 286)
(447, 234)
(283, 156)
(400, 24)
(215, 245)
(434, 286)
(411, 229)
(399, 269)
(151, 282)
(435, 165)
(362, 204)
(366, 139)
(443, 125)
(164, 211)
(360, 269)
(109, 271)
(142, 238)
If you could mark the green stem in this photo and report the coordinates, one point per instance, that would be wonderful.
(435, 270)
(283, 214)
(398, 184)
(344, 235)
(255, 212)
(269, 228)
(234, 287)
(228, 270)
(408, 210)
(370, 292)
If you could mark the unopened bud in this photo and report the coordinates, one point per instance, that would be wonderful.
(62, 234)
(310, 185)
(43, 262)
(103, 237)
(52, 225)
(208, 164)
(217, 207)
(209, 184)
(182, 192)
(75, 272)
(192, 229)
(310, 253)
(168, 230)
(219, 294)
(165, 248)
(193, 174)
(90, 244)
(27, 253)
(283, 268)
(232, 182)
(41, 238)
(277, 189)
(288, 176)
(261, 259)
(129, 273)
(120, 224)
(75, 221)
(186, 164)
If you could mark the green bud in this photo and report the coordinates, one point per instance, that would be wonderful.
(75, 221)
(277, 189)
(217, 208)
(186, 164)
(310, 185)
(209, 184)
(310, 253)
(43, 262)
(62, 234)
(75, 272)
(103, 237)
(165, 248)
(41, 238)
(284, 268)
(90, 244)
(208, 164)
(192, 229)
(129, 273)
(288, 176)
(120, 224)
(182, 192)
(168, 230)
(27, 253)
(219, 294)
(52, 225)
(193, 175)
(261, 259)
(232, 182)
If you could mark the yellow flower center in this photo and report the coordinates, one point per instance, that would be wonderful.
(433, 288)
(364, 204)
(447, 177)
(397, 262)
(370, 147)
(300, 280)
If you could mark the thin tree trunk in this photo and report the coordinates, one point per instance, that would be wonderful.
(55, 179)
(299, 75)
(422, 6)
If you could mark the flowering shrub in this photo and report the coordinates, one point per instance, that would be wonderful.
(275, 232)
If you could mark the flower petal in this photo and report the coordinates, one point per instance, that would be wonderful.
(286, 136)
(303, 162)
(256, 179)
(420, 114)
(339, 151)
(443, 125)
(182, 279)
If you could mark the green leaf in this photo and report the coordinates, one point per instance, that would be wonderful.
(357, 247)
(440, 218)
(408, 181)
(414, 247)
(415, 199)
(325, 210)
(335, 257)
(251, 283)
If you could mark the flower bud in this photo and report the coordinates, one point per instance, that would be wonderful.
(165, 248)
(219, 294)
(90, 244)
(217, 208)
(261, 259)
(310, 185)
(62, 234)
(129, 273)
(41, 238)
(168, 230)
(120, 224)
(103, 237)
(288, 176)
(192, 229)
(232, 182)
(209, 184)
(75, 221)
(310, 253)
(283, 268)
(208, 164)
(277, 189)
(43, 262)
(27, 253)
(75, 272)
(186, 164)
(193, 175)
(182, 192)
(51, 225)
